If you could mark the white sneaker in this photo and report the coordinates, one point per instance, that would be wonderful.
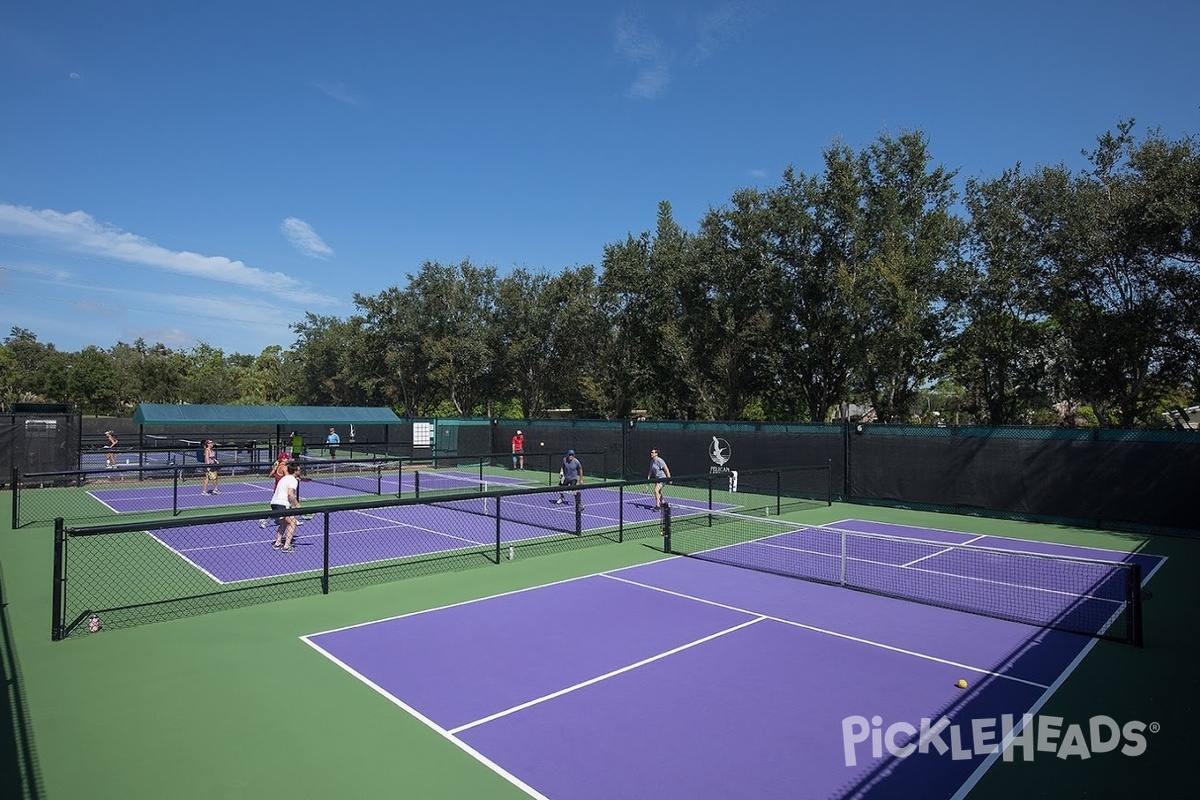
(558, 502)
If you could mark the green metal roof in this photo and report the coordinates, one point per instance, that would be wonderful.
(168, 414)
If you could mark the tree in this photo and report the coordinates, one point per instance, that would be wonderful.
(724, 313)
(907, 237)
(813, 239)
(545, 331)
(1003, 352)
(1119, 253)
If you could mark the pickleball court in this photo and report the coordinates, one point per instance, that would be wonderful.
(684, 678)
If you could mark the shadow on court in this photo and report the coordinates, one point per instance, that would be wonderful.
(20, 775)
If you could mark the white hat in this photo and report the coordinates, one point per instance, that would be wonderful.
(518, 431)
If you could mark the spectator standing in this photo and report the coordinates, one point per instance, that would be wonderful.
(659, 472)
(518, 450)
(111, 458)
(210, 468)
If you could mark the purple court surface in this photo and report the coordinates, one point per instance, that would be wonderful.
(229, 552)
(256, 490)
(688, 679)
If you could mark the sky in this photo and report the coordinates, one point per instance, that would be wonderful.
(191, 173)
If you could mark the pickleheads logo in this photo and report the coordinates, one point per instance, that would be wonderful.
(1029, 734)
(719, 451)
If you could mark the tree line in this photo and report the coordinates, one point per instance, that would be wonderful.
(1045, 295)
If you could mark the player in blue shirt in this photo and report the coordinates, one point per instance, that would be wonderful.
(570, 474)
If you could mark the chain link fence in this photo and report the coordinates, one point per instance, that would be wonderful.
(132, 573)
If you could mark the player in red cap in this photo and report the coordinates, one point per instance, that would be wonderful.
(518, 451)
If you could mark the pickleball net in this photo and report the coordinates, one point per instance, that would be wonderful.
(539, 509)
(1095, 598)
(375, 476)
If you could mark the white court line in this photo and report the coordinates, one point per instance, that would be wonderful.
(103, 503)
(459, 743)
(828, 632)
(398, 524)
(605, 676)
(180, 554)
(990, 759)
(949, 549)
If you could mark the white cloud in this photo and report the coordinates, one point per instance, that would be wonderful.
(699, 36)
(649, 83)
(643, 50)
(74, 76)
(636, 44)
(304, 238)
(79, 233)
(724, 25)
(337, 90)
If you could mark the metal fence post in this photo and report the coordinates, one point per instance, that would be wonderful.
(325, 562)
(16, 493)
(497, 530)
(57, 631)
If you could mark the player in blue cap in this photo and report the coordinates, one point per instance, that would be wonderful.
(570, 474)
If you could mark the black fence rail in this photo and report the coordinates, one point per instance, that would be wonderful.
(537, 459)
(179, 487)
(151, 492)
(132, 573)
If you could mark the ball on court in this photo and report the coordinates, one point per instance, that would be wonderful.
(962, 684)
(541, 444)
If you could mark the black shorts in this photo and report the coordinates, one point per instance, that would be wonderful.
(569, 482)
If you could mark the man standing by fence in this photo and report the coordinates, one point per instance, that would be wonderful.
(660, 472)
(518, 451)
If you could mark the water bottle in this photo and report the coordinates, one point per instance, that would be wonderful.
(93, 623)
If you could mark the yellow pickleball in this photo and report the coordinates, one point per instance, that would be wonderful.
(962, 684)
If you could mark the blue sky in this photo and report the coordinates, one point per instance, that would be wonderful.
(209, 172)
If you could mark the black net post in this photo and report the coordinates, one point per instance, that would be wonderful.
(620, 513)
(16, 499)
(497, 530)
(1134, 599)
(416, 483)
(778, 492)
(578, 514)
(666, 527)
(60, 572)
(175, 493)
(325, 555)
(829, 496)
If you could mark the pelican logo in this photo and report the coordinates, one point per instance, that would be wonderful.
(718, 451)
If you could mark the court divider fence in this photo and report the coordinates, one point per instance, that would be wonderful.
(176, 488)
(136, 572)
